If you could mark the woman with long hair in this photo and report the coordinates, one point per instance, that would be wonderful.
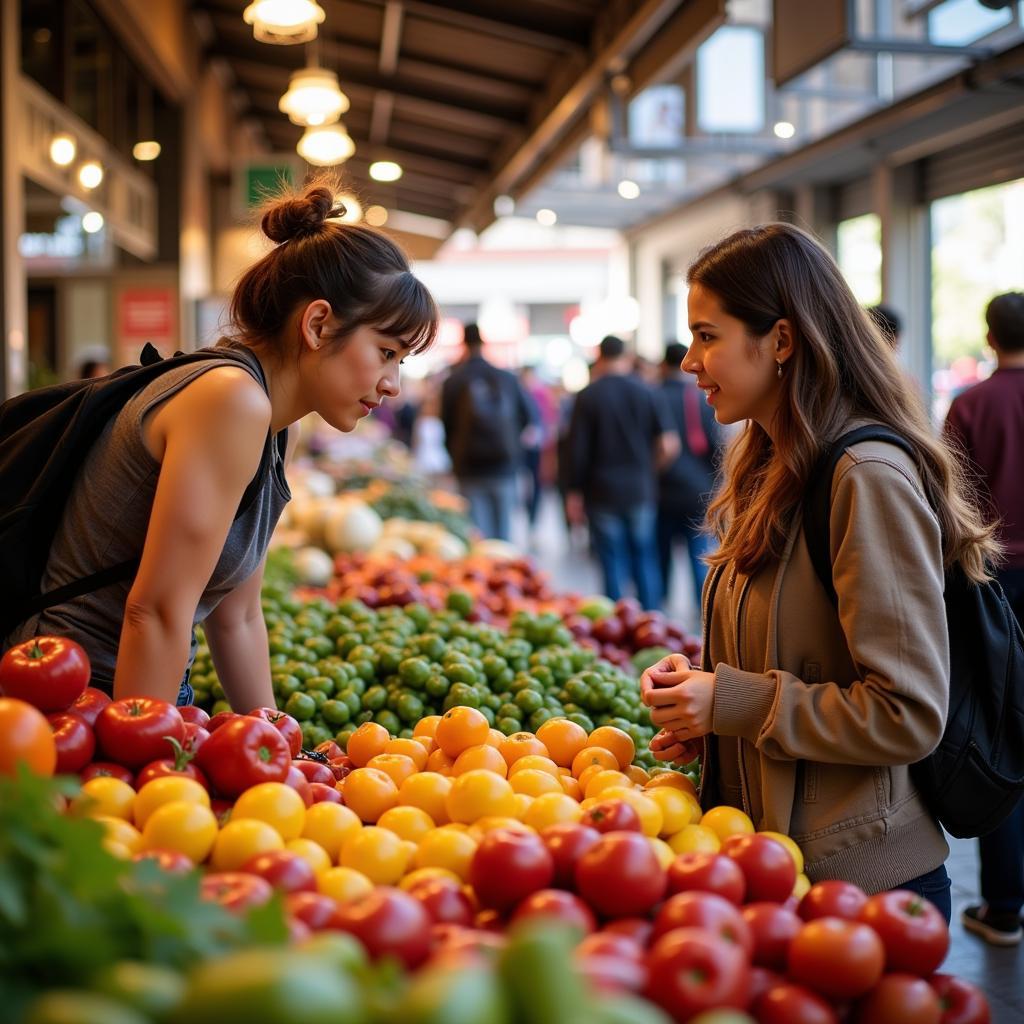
(811, 712)
(319, 324)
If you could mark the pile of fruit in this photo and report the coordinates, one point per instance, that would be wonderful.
(336, 666)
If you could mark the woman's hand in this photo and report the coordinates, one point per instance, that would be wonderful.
(663, 673)
(665, 747)
(681, 701)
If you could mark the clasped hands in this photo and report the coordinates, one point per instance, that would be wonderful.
(681, 700)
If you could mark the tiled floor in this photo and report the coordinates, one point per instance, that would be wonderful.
(999, 972)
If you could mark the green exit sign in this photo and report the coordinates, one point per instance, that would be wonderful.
(258, 180)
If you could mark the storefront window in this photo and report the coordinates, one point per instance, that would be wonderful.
(977, 253)
(859, 255)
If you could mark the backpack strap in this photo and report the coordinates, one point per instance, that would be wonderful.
(817, 503)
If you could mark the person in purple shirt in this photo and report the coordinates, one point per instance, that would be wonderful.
(987, 421)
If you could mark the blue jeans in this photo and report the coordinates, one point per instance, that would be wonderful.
(934, 886)
(626, 547)
(186, 695)
(491, 500)
(672, 525)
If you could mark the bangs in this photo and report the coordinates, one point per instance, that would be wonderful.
(406, 311)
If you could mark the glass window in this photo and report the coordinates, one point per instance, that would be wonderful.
(657, 117)
(859, 255)
(977, 253)
(959, 22)
(731, 80)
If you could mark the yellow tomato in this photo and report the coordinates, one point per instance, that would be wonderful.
(446, 848)
(478, 793)
(534, 782)
(330, 825)
(803, 883)
(571, 787)
(377, 853)
(116, 849)
(489, 823)
(104, 796)
(369, 792)
(240, 840)
(552, 809)
(695, 839)
(343, 884)
(727, 821)
(407, 823)
(117, 830)
(536, 762)
(790, 844)
(482, 756)
(428, 791)
(182, 825)
(662, 851)
(672, 780)
(165, 790)
(276, 804)
(676, 810)
(651, 818)
(418, 875)
(409, 748)
(311, 852)
(603, 780)
(523, 802)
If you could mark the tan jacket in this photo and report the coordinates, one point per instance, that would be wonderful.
(817, 714)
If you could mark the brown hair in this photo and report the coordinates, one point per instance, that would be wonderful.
(841, 368)
(357, 269)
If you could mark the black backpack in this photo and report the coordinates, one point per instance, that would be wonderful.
(974, 778)
(45, 436)
(488, 426)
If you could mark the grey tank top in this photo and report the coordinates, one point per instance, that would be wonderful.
(106, 518)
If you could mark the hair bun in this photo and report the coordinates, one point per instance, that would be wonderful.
(298, 216)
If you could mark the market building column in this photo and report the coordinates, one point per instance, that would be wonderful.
(14, 365)
(906, 264)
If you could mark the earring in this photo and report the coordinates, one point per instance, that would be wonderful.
(778, 365)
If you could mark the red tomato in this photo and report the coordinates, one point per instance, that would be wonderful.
(300, 784)
(567, 843)
(284, 724)
(328, 748)
(195, 737)
(610, 974)
(612, 816)
(762, 979)
(48, 672)
(315, 771)
(838, 958)
(341, 766)
(285, 871)
(243, 753)
(767, 866)
(508, 866)
(235, 890)
(444, 900)
(134, 731)
(318, 792)
(785, 1003)
(638, 929)
(690, 970)
(900, 999)
(98, 769)
(557, 905)
(174, 862)
(388, 922)
(911, 928)
(180, 764)
(89, 703)
(75, 741)
(962, 1002)
(832, 899)
(221, 809)
(773, 928)
(704, 910)
(220, 719)
(620, 875)
(707, 872)
(192, 715)
(315, 910)
(610, 944)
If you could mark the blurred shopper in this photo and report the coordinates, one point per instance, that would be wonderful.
(813, 711)
(685, 485)
(538, 439)
(485, 411)
(619, 437)
(320, 324)
(987, 421)
(429, 454)
(889, 323)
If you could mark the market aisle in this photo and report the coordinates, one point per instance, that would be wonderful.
(998, 972)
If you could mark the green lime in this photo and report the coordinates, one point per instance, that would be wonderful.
(300, 706)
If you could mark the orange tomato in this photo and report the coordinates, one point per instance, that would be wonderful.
(426, 726)
(563, 740)
(534, 782)
(398, 766)
(409, 823)
(727, 821)
(409, 748)
(479, 793)
(571, 787)
(590, 756)
(343, 884)
(521, 744)
(671, 780)
(459, 728)
(484, 756)
(603, 780)
(495, 738)
(367, 741)
(25, 738)
(439, 762)
(636, 774)
(370, 792)
(428, 791)
(535, 762)
(620, 743)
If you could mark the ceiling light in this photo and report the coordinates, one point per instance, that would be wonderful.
(784, 130)
(504, 206)
(149, 149)
(90, 174)
(376, 216)
(326, 145)
(284, 21)
(547, 217)
(385, 170)
(62, 150)
(628, 189)
(313, 97)
(92, 222)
